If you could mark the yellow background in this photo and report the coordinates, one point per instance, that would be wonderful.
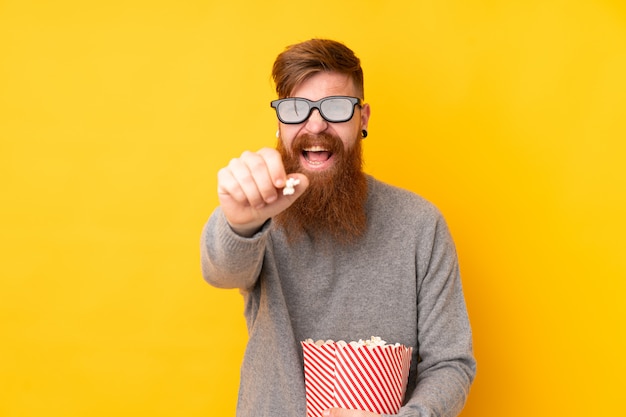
(115, 116)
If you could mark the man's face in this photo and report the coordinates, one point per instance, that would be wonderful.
(316, 156)
(329, 154)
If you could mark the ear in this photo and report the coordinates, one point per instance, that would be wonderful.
(365, 115)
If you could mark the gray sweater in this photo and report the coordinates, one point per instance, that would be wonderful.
(401, 282)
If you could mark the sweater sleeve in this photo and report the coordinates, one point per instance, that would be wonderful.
(227, 259)
(446, 365)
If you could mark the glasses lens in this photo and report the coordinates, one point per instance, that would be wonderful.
(293, 110)
(337, 109)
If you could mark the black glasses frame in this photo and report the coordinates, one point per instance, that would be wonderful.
(316, 105)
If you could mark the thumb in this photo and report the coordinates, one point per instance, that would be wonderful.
(285, 199)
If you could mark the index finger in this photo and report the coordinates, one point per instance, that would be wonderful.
(275, 166)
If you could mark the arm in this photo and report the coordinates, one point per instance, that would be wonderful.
(233, 240)
(447, 366)
(229, 260)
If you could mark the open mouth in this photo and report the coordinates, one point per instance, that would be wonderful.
(316, 156)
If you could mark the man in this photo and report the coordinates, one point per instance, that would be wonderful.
(345, 257)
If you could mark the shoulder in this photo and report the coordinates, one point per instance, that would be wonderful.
(395, 202)
(408, 218)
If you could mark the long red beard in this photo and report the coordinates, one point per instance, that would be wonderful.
(334, 202)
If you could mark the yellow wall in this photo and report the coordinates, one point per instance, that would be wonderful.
(510, 115)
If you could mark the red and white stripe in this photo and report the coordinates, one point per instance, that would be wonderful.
(358, 378)
(319, 374)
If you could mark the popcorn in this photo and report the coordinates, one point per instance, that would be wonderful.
(372, 342)
(368, 375)
(289, 187)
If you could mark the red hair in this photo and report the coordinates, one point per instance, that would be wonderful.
(300, 61)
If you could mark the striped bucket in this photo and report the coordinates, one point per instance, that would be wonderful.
(355, 377)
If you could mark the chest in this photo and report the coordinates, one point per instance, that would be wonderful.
(350, 293)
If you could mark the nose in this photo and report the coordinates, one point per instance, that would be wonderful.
(316, 123)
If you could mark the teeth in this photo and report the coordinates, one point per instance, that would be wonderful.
(315, 149)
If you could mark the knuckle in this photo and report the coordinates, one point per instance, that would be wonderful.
(256, 164)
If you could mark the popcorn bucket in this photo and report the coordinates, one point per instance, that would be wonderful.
(357, 376)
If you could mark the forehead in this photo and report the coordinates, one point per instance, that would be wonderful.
(324, 84)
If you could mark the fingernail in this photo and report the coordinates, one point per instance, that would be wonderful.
(326, 413)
